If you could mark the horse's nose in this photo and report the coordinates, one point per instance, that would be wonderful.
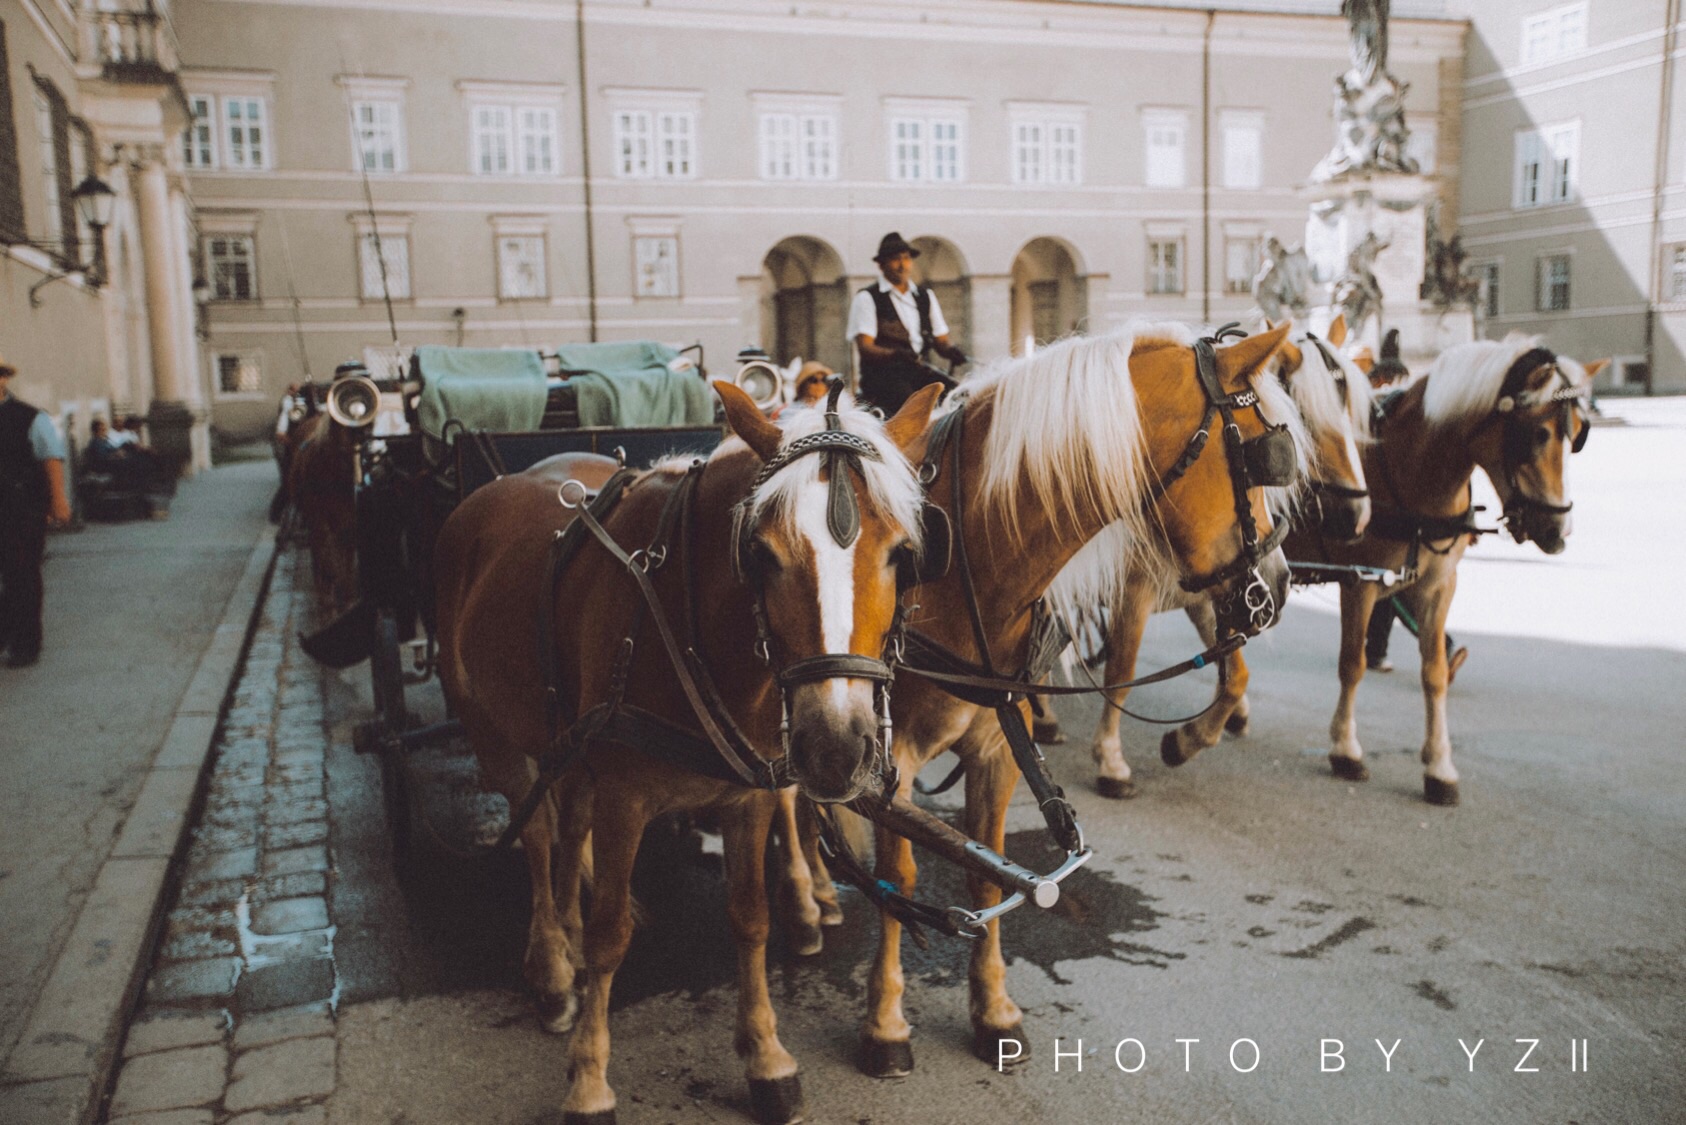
(1346, 520)
(833, 738)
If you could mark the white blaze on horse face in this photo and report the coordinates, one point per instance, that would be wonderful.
(834, 577)
(1352, 457)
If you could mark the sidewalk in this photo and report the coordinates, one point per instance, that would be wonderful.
(137, 658)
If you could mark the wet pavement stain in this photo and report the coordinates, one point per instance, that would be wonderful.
(1427, 990)
(1350, 929)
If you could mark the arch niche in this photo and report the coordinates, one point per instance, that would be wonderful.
(1050, 296)
(941, 268)
(805, 302)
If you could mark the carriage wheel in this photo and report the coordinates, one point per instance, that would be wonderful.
(387, 674)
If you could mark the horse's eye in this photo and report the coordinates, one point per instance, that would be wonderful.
(764, 557)
(1542, 435)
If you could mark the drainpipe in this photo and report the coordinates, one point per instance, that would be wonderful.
(1206, 170)
(1671, 15)
(585, 170)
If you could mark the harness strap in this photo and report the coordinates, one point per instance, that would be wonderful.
(930, 661)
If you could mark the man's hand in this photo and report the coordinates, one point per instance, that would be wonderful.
(58, 502)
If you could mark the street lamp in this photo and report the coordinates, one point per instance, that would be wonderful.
(94, 201)
(202, 302)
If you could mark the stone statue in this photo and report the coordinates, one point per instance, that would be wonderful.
(1283, 282)
(1357, 293)
(1444, 281)
(1370, 132)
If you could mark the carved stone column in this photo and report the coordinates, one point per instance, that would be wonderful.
(170, 421)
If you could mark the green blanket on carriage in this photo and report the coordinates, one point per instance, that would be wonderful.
(631, 384)
(501, 390)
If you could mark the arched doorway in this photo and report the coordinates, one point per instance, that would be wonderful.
(942, 270)
(1050, 297)
(804, 302)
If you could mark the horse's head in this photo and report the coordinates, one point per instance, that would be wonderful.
(1540, 417)
(1220, 433)
(1332, 396)
(829, 534)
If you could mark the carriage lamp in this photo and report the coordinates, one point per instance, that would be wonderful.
(202, 307)
(94, 201)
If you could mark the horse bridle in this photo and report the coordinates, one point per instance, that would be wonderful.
(1512, 403)
(1267, 460)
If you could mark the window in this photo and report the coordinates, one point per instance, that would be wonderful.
(1241, 262)
(927, 149)
(512, 140)
(47, 139)
(1243, 149)
(392, 250)
(245, 134)
(1552, 284)
(655, 144)
(1675, 281)
(199, 144)
(239, 374)
(656, 258)
(798, 146)
(1164, 264)
(1167, 132)
(1547, 164)
(1487, 295)
(81, 150)
(1554, 33)
(521, 272)
(378, 135)
(230, 262)
(1047, 145)
(11, 178)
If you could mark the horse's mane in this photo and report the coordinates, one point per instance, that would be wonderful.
(1463, 383)
(892, 487)
(1318, 398)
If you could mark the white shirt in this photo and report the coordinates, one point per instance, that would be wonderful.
(863, 315)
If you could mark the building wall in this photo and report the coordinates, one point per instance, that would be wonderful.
(1617, 246)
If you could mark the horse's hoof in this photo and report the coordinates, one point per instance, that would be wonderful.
(886, 1058)
(1047, 732)
(831, 914)
(601, 1117)
(805, 941)
(777, 1101)
(1171, 750)
(1442, 793)
(1349, 769)
(1118, 788)
(987, 1041)
(558, 1013)
(1236, 724)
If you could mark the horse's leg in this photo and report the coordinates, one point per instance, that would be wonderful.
(1206, 729)
(802, 914)
(1205, 619)
(886, 1047)
(1429, 605)
(825, 890)
(990, 777)
(1129, 622)
(775, 1092)
(573, 861)
(1346, 756)
(618, 821)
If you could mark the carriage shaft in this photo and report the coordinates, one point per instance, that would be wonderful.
(906, 819)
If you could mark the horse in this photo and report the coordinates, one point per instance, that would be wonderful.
(1512, 407)
(790, 542)
(321, 486)
(1332, 396)
(1034, 459)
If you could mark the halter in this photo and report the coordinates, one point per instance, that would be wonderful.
(1267, 460)
(1512, 404)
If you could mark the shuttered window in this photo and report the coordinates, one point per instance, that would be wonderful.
(11, 180)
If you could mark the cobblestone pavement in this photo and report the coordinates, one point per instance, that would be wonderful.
(237, 1017)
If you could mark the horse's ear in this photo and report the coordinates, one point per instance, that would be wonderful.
(1337, 330)
(912, 420)
(1364, 361)
(1593, 368)
(748, 422)
(1237, 362)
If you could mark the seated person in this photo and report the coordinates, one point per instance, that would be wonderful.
(103, 449)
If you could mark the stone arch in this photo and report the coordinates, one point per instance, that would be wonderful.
(942, 268)
(805, 302)
(1050, 293)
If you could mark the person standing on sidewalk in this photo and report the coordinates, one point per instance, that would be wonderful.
(32, 497)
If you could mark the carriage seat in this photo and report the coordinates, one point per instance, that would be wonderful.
(635, 383)
(501, 390)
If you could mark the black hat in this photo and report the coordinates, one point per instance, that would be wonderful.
(893, 244)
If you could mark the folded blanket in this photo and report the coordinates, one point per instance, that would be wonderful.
(501, 390)
(630, 384)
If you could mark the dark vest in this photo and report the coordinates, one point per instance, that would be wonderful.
(891, 330)
(23, 481)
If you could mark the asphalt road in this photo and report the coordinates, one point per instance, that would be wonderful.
(1245, 896)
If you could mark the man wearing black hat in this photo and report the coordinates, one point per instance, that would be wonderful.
(32, 495)
(897, 325)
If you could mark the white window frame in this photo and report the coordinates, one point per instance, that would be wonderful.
(1543, 283)
(1489, 290)
(648, 233)
(655, 132)
(245, 155)
(199, 142)
(48, 149)
(394, 231)
(1163, 123)
(213, 262)
(1236, 125)
(1674, 272)
(250, 359)
(1045, 141)
(1553, 34)
(377, 93)
(796, 136)
(926, 140)
(1153, 279)
(527, 130)
(1234, 240)
(1547, 165)
(530, 232)
(207, 144)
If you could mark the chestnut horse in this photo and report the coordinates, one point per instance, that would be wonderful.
(321, 486)
(1513, 408)
(1053, 448)
(812, 593)
(1332, 397)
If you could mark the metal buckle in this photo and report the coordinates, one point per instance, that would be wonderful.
(562, 494)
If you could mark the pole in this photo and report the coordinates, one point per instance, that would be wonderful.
(1206, 170)
(585, 170)
(369, 206)
(1665, 98)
